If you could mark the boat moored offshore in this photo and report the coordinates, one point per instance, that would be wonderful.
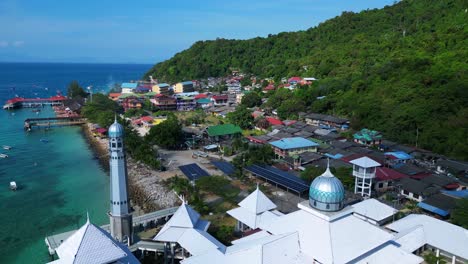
(3, 155)
(13, 186)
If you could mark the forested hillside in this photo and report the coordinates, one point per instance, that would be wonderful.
(399, 69)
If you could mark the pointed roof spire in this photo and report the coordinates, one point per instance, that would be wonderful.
(115, 117)
(87, 217)
(327, 172)
(257, 202)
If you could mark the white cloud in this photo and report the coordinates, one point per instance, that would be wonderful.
(3, 44)
(18, 43)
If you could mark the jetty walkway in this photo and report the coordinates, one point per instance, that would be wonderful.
(53, 122)
(33, 102)
(54, 241)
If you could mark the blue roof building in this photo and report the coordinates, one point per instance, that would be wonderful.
(129, 85)
(293, 146)
(397, 158)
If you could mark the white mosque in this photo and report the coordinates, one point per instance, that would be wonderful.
(323, 230)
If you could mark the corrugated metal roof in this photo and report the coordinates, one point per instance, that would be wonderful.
(293, 143)
(440, 234)
(221, 130)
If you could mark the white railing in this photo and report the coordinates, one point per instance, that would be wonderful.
(363, 174)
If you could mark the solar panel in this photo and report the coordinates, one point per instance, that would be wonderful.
(280, 177)
(193, 171)
(224, 166)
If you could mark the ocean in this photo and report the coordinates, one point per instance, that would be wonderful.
(59, 181)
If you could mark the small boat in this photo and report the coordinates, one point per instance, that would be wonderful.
(13, 186)
(6, 147)
(44, 140)
(3, 156)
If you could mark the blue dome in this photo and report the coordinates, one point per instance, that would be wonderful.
(326, 192)
(116, 130)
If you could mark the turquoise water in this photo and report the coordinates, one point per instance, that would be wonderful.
(58, 181)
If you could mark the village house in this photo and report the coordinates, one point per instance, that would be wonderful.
(203, 102)
(130, 101)
(143, 88)
(186, 103)
(223, 132)
(416, 190)
(184, 87)
(114, 96)
(221, 99)
(368, 137)
(396, 158)
(385, 178)
(292, 146)
(164, 102)
(128, 87)
(161, 88)
(326, 121)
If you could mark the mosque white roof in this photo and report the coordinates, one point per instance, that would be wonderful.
(249, 218)
(257, 202)
(365, 162)
(91, 244)
(390, 254)
(373, 209)
(257, 235)
(282, 248)
(337, 241)
(186, 228)
(309, 235)
(440, 234)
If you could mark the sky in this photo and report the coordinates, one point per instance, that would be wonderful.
(148, 31)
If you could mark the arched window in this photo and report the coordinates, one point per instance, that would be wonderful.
(328, 206)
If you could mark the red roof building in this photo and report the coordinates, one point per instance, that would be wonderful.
(387, 174)
(146, 119)
(274, 121)
(269, 87)
(295, 79)
(201, 96)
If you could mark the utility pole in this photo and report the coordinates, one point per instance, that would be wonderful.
(417, 136)
(90, 88)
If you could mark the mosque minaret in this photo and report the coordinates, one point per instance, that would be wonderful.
(120, 216)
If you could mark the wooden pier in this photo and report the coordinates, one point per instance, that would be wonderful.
(48, 122)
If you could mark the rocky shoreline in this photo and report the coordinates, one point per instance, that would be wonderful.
(146, 190)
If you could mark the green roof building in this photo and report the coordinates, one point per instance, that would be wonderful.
(368, 137)
(225, 131)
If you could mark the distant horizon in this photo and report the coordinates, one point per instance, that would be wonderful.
(67, 62)
(152, 31)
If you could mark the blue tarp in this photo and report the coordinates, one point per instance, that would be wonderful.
(401, 155)
(433, 209)
(336, 156)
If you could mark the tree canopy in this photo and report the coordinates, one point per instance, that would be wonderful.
(101, 110)
(460, 213)
(401, 70)
(75, 90)
(241, 117)
(167, 134)
(251, 100)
